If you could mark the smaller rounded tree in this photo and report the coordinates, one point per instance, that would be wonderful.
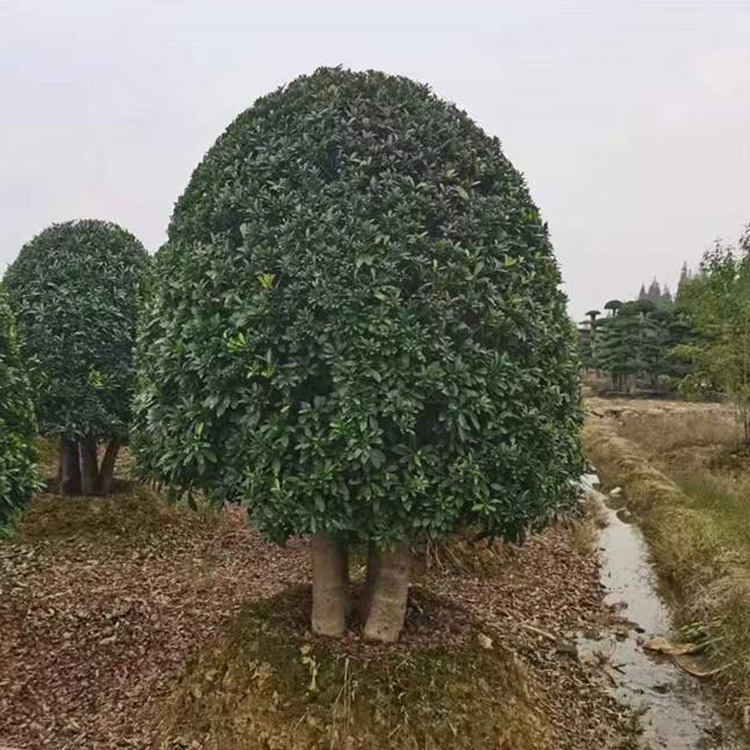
(357, 330)
(74, 289)
(17, 425)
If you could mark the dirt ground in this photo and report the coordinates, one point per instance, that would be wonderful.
(103, 603)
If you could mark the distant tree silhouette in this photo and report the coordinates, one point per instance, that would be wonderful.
(655, 293)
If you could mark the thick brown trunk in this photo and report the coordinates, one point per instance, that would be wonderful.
(89, 468)
(390, 593)
(107, 469)
(330, 584)
(70, 468)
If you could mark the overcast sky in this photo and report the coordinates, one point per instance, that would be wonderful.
(630, 119)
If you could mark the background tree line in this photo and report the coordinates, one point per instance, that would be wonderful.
(696, 345)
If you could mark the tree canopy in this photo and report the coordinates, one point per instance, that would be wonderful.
(357, 325)
(17, 424)
(74, 291)
(717, 302)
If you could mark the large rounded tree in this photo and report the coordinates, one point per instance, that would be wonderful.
(357, 330)
(18, 457)
(74, 290)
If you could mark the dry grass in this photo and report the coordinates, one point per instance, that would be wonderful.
(658, 431)
(727, 501)
(463, 554)
(268, 684)
(125, 518)
(132, 515)
(586, 530)
(695, 513)
(49, 457)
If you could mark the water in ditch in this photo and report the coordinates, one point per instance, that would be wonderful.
(677, 710)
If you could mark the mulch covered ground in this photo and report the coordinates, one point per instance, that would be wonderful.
(103, 602)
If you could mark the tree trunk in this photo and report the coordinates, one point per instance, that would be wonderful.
(60, 464)
(744, 409)
(385, 620)
(89, 468)
(373, 562)
(107, 469)
(330, 584)
(70, 469)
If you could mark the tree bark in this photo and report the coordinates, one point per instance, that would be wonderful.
(89, 467)
(373, 562)
(60, 464)
(330, 584)
(107, 469)
(70, 469)
(390, 593)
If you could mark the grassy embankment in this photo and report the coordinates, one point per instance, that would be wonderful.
(687, 479)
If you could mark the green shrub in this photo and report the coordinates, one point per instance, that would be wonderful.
(17, 424)
(357, 325)
(74, 290)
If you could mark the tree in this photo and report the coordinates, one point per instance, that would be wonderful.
(654, 291)
(357, 331)
(587, 339)
(684, 275)
(619, 343)
(74, 289)
(717, 302)
(612, 306)
(586, 344)
(636, 343)
(18, 478)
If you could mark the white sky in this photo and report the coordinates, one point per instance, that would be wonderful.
(630, 120)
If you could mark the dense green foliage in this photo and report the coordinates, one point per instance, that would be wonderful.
(357, 325)
(698, 346)
(717, 302)
(17, 424)
(73, 289)
(635, 342)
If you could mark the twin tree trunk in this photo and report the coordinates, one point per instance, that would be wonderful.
(80, 471)
(386, 589)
